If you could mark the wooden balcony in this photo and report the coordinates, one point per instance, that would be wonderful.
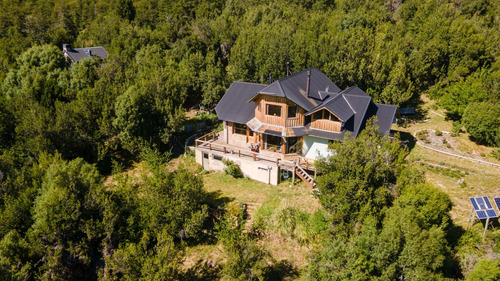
(274, 120)
(294, 122)
(326, 125)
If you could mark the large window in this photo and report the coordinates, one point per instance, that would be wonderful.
(318, 115)
(325, 115)
(292, 111)
(274, 110)
(240, 129)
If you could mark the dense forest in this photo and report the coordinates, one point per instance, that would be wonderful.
(64, 127)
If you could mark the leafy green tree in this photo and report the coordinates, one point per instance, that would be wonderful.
(245, 259)
(482, 121)
(359, 178)
(485, 269)
(67, 220)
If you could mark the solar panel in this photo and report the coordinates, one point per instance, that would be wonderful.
(483, 207)
(491, 213)
(487, 201)
(474, 204)
(497, 201)
(481, 214)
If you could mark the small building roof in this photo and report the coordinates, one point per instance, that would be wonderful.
(80, 53)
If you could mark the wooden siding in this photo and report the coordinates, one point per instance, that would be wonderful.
(282, 120)
(326, 125)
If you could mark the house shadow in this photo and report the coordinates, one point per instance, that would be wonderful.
(407, 139)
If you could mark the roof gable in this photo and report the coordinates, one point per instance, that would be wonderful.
(294, 88)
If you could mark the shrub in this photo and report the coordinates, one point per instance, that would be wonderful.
(438, 133)
(456, 129)
(421, 135)
(496, 154)
(232, 169)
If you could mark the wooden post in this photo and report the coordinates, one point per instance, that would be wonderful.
(209, 146)
(239, 153)
(254, 157)
(293, 173)
(196, 143)
(277, 161)
(224, 150)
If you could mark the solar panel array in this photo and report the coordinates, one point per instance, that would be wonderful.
(483, 207)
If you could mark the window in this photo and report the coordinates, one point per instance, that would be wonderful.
(240, 129)
(274, 110)
(217, 157)
(292, 111)
(318, 115)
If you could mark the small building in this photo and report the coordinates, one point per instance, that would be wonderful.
(287, 124)
(75, 55)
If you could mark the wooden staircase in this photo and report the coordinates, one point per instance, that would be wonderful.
(305, 176)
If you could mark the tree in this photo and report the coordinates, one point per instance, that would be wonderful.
(360, 176)
(67, 221)
(482, 121)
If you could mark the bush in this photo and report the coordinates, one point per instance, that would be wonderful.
(422, 135)
(456, 129)
(232, 169)
(438, 133)
(496, 154)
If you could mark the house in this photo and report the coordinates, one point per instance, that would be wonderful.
(75, 55)
(287, 124)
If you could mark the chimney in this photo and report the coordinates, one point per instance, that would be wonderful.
(287, 68)
(308, 82)
(270, 78)
(66, 47)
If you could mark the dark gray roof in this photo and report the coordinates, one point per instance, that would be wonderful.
(385, 115)
(326, 135)
(294, 88)
(352, 105)
(359, 104)
(354, 90)
(234, 105)
(338, 105)
(79, 53)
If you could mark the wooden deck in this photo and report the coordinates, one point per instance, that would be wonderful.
(214, 142)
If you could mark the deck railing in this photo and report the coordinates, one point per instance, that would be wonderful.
(206, 142)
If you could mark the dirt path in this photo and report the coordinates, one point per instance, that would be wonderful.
(452, 154)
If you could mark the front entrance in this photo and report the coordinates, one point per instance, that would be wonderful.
(273, 143)
(293, 145)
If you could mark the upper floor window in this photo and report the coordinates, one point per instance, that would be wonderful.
(318, 115)
(325, 115)
(274, 110)
(292, 111)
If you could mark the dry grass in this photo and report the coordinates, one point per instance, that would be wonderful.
(481, 180)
